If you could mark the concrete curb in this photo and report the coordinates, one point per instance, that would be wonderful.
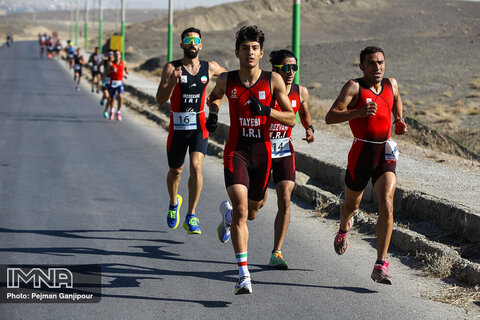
(407, 200)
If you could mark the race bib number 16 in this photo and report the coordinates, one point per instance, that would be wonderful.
(184, 120)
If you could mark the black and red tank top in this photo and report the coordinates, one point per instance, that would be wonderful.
(245, 128)
(189, 96)
(278, 130)
(375, 128)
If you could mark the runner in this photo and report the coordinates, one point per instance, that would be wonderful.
(248, 153)
(70, 51)
(106, 84)
(41, 44)
(96, 60)
(58, 48)
(284, 63)
(78, 62)
(117, 70)
(184, 82)
(9, 40)
(368, 103)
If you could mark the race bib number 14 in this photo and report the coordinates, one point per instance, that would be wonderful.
(280, 147)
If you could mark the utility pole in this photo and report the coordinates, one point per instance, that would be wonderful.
(170, 30)
(77, 18)
(86, 25)
(100, 26)
(123, 29)
(71, 20)
(296, 36)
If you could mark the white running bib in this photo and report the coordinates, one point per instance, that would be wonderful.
(77, 67)
(184, 120)
(280, 147)
(116, 83)
(391, 151)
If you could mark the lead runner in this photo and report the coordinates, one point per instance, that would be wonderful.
(247, 155)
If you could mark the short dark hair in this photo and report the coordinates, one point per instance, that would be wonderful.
(191, 29)
(277, 56)
(249, 33)
(370, 50)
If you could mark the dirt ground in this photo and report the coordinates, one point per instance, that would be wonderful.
(431, 48)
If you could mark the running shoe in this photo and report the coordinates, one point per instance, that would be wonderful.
(77, 88)
(93, 90)
(223, 229)
(105, 114)
(102, 101)
(191, 224)
(276, 260)
(380, 273)
(244, 285)
(173, 213)
(341, 241)
(119, 116)
(112, 115)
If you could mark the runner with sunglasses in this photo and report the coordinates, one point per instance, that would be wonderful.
(184, 82)
(284, 63)
(247, 156)
(368, 103)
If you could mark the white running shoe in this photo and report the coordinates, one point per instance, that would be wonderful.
(223, 229)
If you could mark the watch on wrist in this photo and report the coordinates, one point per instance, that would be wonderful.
(310, 127)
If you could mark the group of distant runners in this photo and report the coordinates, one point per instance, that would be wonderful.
(262, 107)
(108, 71)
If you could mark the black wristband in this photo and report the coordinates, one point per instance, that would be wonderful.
(310, 127)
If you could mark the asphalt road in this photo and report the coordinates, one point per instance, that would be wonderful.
(78, 189)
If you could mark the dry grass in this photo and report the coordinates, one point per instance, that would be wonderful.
(434, 265)
(473, 110)
(456, 295)
(476, 83)
(318, 107)
(447, 94)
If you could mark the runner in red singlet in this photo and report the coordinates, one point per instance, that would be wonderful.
(368, 104)
(247, 155)
(117, 70)
(284, 63)
(184, 82)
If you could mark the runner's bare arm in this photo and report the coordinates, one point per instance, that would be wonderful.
(339, 113)
(126, 70)
(305, 117)
(169, 80)
(214, 69)
(286, 116)
(397, 109)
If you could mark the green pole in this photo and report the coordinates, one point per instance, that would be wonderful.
(86, 25)
(100, 26)
(170, 31)
(296, 36)
(77, 17)
(296, 40)
(71, 21)
(123, 29)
